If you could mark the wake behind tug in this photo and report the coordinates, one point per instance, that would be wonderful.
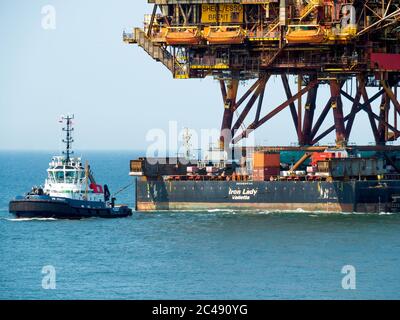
(70, 191)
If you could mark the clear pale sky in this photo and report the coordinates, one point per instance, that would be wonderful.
(116, 91)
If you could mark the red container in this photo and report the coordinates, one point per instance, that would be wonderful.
(321, 156)
(265, 174)
(266, 160)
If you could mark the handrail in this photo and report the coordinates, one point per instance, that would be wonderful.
(309, 8)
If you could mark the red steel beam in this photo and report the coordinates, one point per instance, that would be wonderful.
(354, 107)
(370, 112)
(247, 94)
(337, 107)
(370, 117)
(246, 110)
(259, 106)
(309, 110)
(229, 96)
(384, 115)
(391, 95)
(293, 111)
(321, 118)
(274, 112)
(359, 104)
(278, 109)
(332, 128)
(351, 114)
(299, 109)
(223, 90)
(394, 109)
(323, 115)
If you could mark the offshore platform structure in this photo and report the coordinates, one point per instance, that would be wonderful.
(320, 42)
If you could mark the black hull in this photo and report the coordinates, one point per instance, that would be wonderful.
(322, 196)
(29, 208)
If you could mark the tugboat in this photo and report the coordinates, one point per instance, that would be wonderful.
(70, 190)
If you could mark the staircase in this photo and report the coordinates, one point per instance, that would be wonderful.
(309, 8)
(273, 57)
(157, 52)
(275, 24)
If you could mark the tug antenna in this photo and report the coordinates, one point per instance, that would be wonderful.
(68, 139)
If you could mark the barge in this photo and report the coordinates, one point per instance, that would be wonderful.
(329, 181)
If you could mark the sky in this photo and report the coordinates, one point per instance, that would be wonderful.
(116, 91)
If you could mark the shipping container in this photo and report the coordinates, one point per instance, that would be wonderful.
(241, 171)
(265, 159)
(285, 173)
(321, 156)
(211, 169)
(267, 171)
(328, 154)
(265, 174)
(192, 169)
(311, 169)
(160, 166)
(352, 167)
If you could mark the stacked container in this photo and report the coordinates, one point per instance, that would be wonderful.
(321, 156)
(352, 167)
(266, 165)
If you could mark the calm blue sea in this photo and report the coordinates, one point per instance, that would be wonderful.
(192, 255)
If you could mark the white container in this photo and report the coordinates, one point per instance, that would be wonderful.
(322, 174)
(285, 173)
(311, 169)
(192, 169)
(211, 169)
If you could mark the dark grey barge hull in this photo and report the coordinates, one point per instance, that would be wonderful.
(64, 209)
(316, 196)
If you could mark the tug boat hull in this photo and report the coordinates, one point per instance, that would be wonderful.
(64, 208)
(70, 191)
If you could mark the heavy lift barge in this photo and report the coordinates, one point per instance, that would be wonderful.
(327, 44)
(334, 180)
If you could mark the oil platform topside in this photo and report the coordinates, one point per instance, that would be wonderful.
(322, 43)
(319, 41)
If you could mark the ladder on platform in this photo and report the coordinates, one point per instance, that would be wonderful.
(156, 51)
(310, 7)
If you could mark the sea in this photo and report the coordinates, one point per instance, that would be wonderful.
(213, 254)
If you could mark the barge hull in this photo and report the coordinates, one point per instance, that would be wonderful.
(322, 196)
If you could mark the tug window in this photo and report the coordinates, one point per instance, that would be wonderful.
(51, 177)
(69, 176)
(59, 176)
(80, 176)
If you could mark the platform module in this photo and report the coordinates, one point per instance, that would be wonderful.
(321, 42)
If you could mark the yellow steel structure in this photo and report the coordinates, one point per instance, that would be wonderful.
(318, 41)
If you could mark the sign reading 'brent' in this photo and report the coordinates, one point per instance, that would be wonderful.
(225, 13)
